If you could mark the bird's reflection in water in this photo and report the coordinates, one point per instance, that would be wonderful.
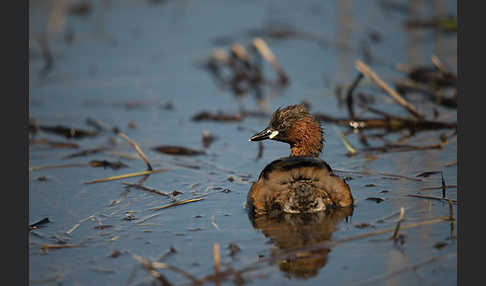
(300, 239)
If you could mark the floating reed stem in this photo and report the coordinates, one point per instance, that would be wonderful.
(429, 197)
(144, 188)
(130, 175)
(176, 204)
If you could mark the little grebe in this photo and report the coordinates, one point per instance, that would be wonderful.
(301, 183)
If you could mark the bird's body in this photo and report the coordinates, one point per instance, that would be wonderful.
(301, 183)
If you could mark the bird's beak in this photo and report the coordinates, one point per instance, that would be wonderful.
(267, 133)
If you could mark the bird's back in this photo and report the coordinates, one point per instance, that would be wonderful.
(298, 185)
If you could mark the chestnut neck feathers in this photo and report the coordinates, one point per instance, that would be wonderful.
(306, 139)
(297, 127)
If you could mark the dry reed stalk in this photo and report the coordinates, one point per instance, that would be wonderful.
(137, 148)
(347, 144)
(438, 64)
(129, 175)
(429, 197)
(38, 168)
(268, 55)
(147, 218)
(45, 247)
(148, 265)
(73, 228)
(217, 262)
(162, 265)
(451, 214)
(443, 184)
(439, 187)
(397, 228)
(405, 269)
(378, 173)
(366, 71)
(176, 204)
(240, 53)
(368, 234)
(144, 188)
(349, 95)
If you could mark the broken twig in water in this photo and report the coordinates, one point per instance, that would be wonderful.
(162, 265)
(144, 188)
(147, 218)
(139, 151)
(450, 164)
(363, 68)
(379, 173)
(391, 124)
(347, 144)
(388, 148)
(45, 247)
(406, 226)
(439, 187)
(85, 153)
(413, 267)
(207, 139)
(443, 185)
(148, 265)
(39, 223)
(451, 214)
(93, 163)
(69, 231)
(349, 96)
(168, 252)
(176, 204)
(38, 168)
(217, 262)
(52, 144)
(397, 228)
(130, 175)
(430, 198)
(73, 228)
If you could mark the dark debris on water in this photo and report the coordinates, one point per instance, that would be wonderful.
(107, 164)
(39, 223)
(434, 78)
(375, 199)
(219, 116)
(427, 174)
(86, 152)
(240, 69)
(178, 150)
(53, 144)
(68, 132)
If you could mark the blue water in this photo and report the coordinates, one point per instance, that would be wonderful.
(138, 51)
